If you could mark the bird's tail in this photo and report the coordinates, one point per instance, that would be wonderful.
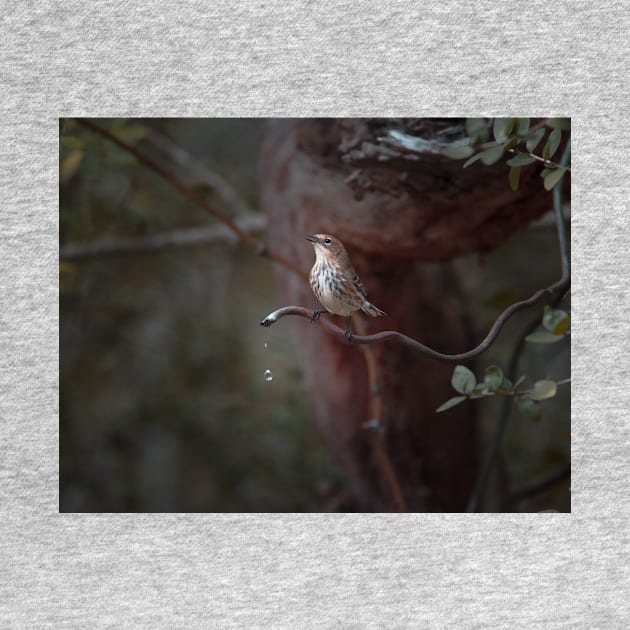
(372, 310)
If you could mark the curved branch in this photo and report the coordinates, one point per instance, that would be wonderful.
(550, 293)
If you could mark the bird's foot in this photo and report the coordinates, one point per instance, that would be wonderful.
(316, 315)
(349, 335)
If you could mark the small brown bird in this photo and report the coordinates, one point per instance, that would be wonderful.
(334, 281)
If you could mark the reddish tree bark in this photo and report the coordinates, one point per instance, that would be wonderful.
(393, 213)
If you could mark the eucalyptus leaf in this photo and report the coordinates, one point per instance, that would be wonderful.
(522, 159)
(543, 390)
(522, 126)
(450, 403)
(553, 178)
(553, 142)
(501, 128)
(492, 155)
(493, 377)
(477, 129)
(563, 327)
(533, 140)
(480, 390)
(472, 160)
(463, 380)
(459, 152)
(528, 407)
(552, 317)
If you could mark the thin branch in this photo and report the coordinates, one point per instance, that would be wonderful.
(506, 407)
(161, 241)
(191, 195)
(204, 174)
(565, 258)
(550, 293)
(513, 393)
(548, 163)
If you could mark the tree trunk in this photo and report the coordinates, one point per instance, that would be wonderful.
(393, 215)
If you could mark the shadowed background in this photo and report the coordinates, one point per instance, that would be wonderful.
(164, 401)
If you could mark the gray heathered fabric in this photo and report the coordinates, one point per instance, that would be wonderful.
(313, 571)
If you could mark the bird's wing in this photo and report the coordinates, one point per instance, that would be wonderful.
(359, 287)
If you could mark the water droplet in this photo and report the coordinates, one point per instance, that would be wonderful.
(268, 375)
(266, 346)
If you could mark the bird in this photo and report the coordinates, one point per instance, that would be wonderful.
(335, 283)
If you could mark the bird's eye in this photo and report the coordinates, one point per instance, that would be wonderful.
(328, 241)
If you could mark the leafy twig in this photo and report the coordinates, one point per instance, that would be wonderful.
(563, 244)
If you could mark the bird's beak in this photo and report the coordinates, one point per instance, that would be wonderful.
(312, 238)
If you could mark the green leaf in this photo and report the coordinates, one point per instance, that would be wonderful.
(450, 403)
(522, 126)
(528, 407)
(552, 317)
(459, 152)
(492, 155)
(546, 172)
(501, 128)
(532, 141)
(553, 142)
(472, 160)
(463, 380)
(559, 123)
(493, 377)
(522, 159)
(506, 385)
(512, 143)
(553, 178)
(543, 390)
(480, 390)
(477, 129)
(563, 327)
(543, 336)
(514, 177)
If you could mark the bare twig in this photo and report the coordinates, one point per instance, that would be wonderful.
(550, 293)
(191, 195)
(204, 174)
(161, 241)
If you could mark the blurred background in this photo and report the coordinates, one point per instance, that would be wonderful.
(172, 397)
